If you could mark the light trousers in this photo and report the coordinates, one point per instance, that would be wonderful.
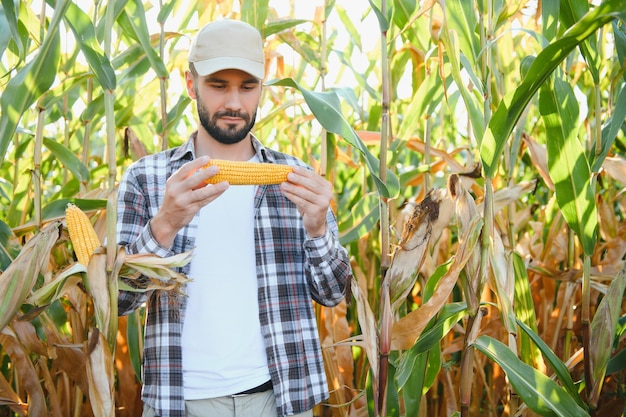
(262, 404)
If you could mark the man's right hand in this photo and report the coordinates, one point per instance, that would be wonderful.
(186, 192)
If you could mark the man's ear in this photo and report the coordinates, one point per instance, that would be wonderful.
(190, 83)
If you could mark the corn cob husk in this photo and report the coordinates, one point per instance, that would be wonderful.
(428, 218)
(406, 330)
(82, 234)
(248, 173)
(145, 272)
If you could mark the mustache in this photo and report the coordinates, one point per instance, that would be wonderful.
(230, 114)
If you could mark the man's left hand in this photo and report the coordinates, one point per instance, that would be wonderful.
(312, 194)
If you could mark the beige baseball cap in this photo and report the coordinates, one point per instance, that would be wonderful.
(228, 44)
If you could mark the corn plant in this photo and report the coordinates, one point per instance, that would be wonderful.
(477, 158)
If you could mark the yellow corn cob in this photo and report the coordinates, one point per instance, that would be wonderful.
(248, 173)
(82, 234)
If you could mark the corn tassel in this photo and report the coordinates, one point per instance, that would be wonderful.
(248, 173)
(82, 234)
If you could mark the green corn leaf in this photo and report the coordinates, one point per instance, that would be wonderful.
(525, 311)
(56, 209)
(348, 26)
(402, 11)
(428, 96)
(611, 129)
(393, 400)
(255, 13)
(420, 365)
(276, 27)
(68, 159)
(513, 104)
(559, 368)
(133, 21)
(134, 335)
(550, 18)
(85, 36)
(31, 81)
(567, 163)
(175, 114)
(414, 387)
(326, 108)
(364, 216)
(166, 11)
(619, 32)
(617, 363)
(461, 17)
(570, 12)
(539, 393)
(66, 87)
(383, 23)
(8, 14)
(471, 99)
(603, 329)
(56, 288)
(447, 318)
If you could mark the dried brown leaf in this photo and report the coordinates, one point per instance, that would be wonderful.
(538, 155)
(466, 211)
(334, 328)
(97, 285)
(132, 143)
(406, 330)
(18, 279)
(367, 323)
(100, 376)
(502, 281)
(8, 397)
(427, 218)
(29, 379)
(27, 335)
(159, 271)
(54, 406)
(68, 354)
(615, 168)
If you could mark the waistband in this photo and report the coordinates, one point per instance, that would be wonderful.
(266, 386)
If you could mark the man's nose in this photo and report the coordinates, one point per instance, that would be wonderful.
(233, 100)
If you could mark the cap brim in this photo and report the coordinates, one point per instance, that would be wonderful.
(213, 65)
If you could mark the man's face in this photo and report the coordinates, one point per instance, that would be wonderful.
(227, 102)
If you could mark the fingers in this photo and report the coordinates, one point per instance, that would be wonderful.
(193, 174)
(311, 194)
(189, 185)
(186, 192)
(304, 184)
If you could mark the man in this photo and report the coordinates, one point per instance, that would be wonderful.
(244, 341)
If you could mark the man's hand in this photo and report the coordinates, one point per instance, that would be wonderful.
(312, 194)
(186, 192)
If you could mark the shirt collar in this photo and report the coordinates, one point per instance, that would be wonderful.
(188, 148)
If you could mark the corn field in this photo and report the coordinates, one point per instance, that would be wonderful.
(477, 150)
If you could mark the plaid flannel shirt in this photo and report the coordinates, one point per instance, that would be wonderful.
(292, 270)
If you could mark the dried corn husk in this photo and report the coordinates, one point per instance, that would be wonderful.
(18, 279)
(158, 271)
(434, 211)
(406, 330)
(100, 376)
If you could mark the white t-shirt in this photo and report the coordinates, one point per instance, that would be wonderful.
(222, 345)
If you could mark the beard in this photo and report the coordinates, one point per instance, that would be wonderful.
(229, 135)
